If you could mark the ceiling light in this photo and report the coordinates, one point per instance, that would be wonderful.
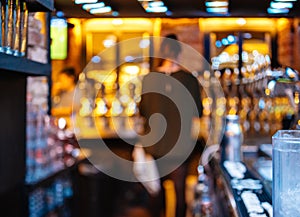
(279, 5)
(285, 0)
(156, 9)
(156, 4)
(278, 11)
(217, 10)
(90, 6)
(85, 1)
(102, 10)
(153, 6)
(216, 4)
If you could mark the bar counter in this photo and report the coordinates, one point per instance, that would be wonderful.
(243, 189)
(226, 192)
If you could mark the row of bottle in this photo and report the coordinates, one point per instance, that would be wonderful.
(259, 100)
(203, 202)
(49, 147)
(45, 200)
(45, 149)
(110, 106)
(110, 111)
(14, 27)
(52, 150)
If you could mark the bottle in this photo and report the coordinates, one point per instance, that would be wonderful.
(199, 189)
(232, 139)
(2, 25)
(17, 28)
(24, 29)
(206, 203)
(10, 16)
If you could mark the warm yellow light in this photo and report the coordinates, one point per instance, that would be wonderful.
(131, 70)
(117, 22)
(101, 108)
(103, 25)
(131, 109)
(206, 112)
(105, 77)
(232, 111)
(62, 123)
(240, 24)
(206, 74)
(283, 21)
(85, 109)
(205, 102)
(297, 98)
(116, 108)
(241, 21)
(220, 111)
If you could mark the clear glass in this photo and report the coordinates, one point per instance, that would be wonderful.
(286, 169)
(24, 28)
(17, 26)
(10, 16)
(3, 24)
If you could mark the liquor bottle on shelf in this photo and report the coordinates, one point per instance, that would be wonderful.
(51, 199)
(203, 206)
(116, 112)
(101, 107)
(131, 109)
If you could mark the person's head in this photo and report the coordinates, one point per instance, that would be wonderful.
(170, 47)
(67, 78)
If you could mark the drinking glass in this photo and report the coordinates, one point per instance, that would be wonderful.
(2, 24)
(286, 170)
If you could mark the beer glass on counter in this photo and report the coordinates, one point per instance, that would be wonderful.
(286, 167)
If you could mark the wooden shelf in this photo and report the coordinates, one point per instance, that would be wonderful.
(23, 65)
(40, 5)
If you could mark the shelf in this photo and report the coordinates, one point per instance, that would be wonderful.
(23, 65)
(48, 180)
(40, 5)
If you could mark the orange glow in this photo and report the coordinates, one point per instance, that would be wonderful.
(76, 30)
(123, 24)
(232, 24)
(282, 23)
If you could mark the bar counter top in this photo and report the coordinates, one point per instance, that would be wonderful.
(238, 185)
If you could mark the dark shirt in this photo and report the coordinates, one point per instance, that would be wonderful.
(178, 130)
